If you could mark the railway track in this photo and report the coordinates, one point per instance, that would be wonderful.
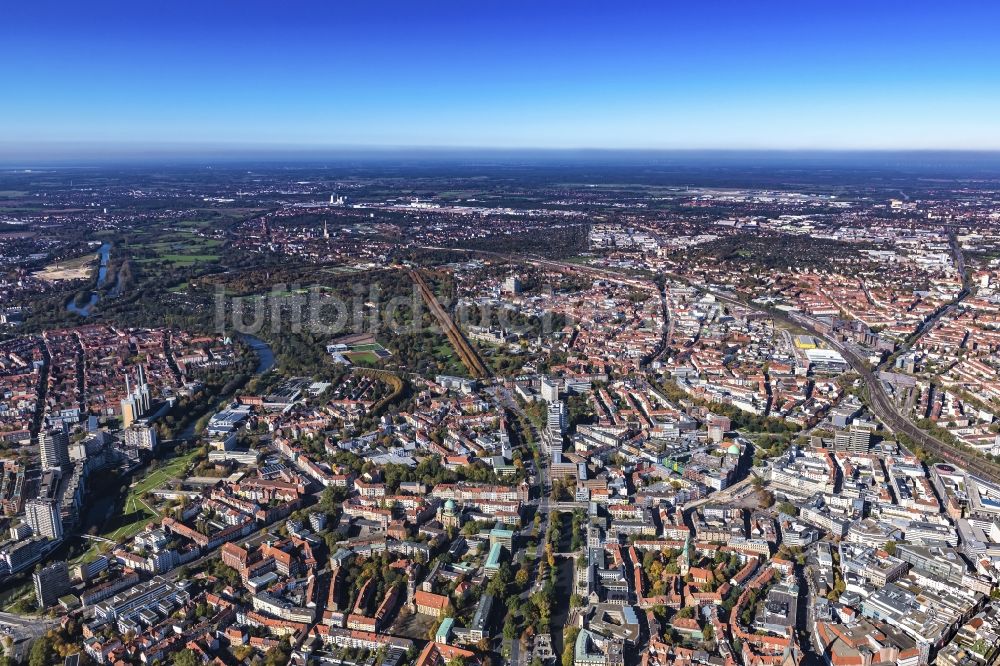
(470, 359)
(880, 402)
(886, 411)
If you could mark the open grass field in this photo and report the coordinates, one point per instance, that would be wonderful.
(341, 270)
(189, 258)
(197, 225)
(135, 515)
(791, 328)
(181, 259)
(444, 351)
(451, 364)
(170, 469)
(187, 241)
(368, 353)
(294, 292)
(135, 512)
(176, 247)
(88, 555)
(367, 357)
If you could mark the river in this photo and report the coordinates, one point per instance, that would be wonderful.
(265, 355)
(102, 276)
(265, 361)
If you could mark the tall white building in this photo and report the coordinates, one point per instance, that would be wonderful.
(512, 285)
(556, 420)
(549, 390)
(53, 446)
(141, 435)
(43, 516)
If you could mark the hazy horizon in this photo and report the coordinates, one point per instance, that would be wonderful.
(188, 155)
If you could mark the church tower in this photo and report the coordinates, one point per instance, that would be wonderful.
(684, 561)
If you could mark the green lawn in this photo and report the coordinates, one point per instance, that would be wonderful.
(362, 357)
(444, 351)
(184, 242)
(135, 516)
(167, 470)
(88, 555)
(189, 258)
(181, 259)
(182, 247)
(136, 513)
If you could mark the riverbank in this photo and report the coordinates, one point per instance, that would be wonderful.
(104, 254)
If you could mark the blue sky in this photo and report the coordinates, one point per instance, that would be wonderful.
(508, 74)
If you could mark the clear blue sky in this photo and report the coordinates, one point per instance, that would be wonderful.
(486, 73)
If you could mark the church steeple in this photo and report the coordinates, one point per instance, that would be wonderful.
(684, 561)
